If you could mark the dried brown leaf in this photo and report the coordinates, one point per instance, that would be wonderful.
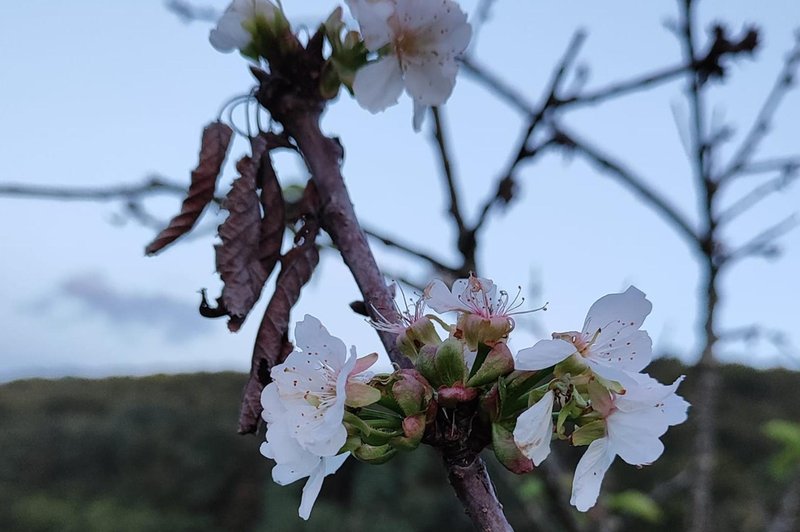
(213, 148)
(238, 257)
(297, 266)
(273, 222)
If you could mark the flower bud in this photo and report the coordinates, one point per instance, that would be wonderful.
(419, 333)
(450, 396)
(411, 392)
(413, 430)
(449, 363)
(476, 329)
(375, 454)
(499, 362)
(507, 451)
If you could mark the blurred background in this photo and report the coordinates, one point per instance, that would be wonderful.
(99, 98)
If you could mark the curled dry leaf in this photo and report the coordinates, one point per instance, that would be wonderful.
(238, 257)
(297, 266)
(213, 148)
(273, 222)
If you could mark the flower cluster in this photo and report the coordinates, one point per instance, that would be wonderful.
(585, 388)
(411, 45)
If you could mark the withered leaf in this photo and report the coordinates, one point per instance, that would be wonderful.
(238, 257)
(273, 222)
(297, 266)
(213, 149)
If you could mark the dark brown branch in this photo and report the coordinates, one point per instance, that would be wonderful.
(761, 125)
(476, 492)
(628, 178)
(323, 156)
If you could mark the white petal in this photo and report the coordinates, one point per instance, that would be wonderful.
(311, 490)
(420, 111)
(589, 474)
(543, 354)
(430, 80)
(534, 429)
(631, 354)
(378, 85)
(373, 20)
(611, 373)
(316, 341)
(441, 299)
(229, 35)
(617, 316)
(634, 436)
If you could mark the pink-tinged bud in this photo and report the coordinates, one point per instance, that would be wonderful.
(498, 363)
(375, 454)
(413, 431)
(507, 452)
(490, 403)
(476, 329)
(450, 396)
(449, 363)
(411, 392)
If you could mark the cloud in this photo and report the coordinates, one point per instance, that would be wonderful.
(177, 319)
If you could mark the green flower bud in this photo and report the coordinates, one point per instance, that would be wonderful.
(375, 454)
(449, 363)
(499, 362)
(411, 391)
(507, 452)
(476, 329)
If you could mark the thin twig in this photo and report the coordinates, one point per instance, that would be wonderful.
(786, 165)
(445, 158)
(761, 125)
(628, 178)
(763, 243)
(406, 248)
(755, 196)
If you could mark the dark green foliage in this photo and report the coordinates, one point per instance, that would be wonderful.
(162, 453)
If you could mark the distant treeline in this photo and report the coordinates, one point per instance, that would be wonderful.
(161, 453)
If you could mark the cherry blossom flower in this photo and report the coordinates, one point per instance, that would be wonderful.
(424, 39)
(293, 462)
(610, 342)
(534, 429)
(474, 295)
(232, 31)
(634, 422)
(304, 408)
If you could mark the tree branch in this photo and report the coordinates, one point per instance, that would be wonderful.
(406, 248)
(755, 196)
(630, 180)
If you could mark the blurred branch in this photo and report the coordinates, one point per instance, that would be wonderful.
(755, 196)
(406, 248)
(786, 165)
(188, 12)
(761, 125)
(628, 178)
(785, 519)
(443, 151)
(153, 185)
(763, 243)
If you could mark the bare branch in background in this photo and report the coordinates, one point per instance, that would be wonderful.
(629, 179)
(188, 12)
(761, 125)
(756, 196)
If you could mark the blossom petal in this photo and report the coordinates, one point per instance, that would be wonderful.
(617, 316)
(378, 85)
(634, 436)
(420, 110)
(441, 299)
(373, 20)
(543, 354)
(315, 340)
(589, 474)
(632, 354)
(430, 80)
(534, 429)
(327, 466)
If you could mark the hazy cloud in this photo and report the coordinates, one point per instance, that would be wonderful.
(177, 319)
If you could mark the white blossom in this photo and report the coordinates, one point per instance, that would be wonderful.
(474, 295)
(304, 408)
(424, 40)
(634, 422)
(231, 32)
(610, 342)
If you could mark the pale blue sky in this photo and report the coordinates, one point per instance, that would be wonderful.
(102, 93)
